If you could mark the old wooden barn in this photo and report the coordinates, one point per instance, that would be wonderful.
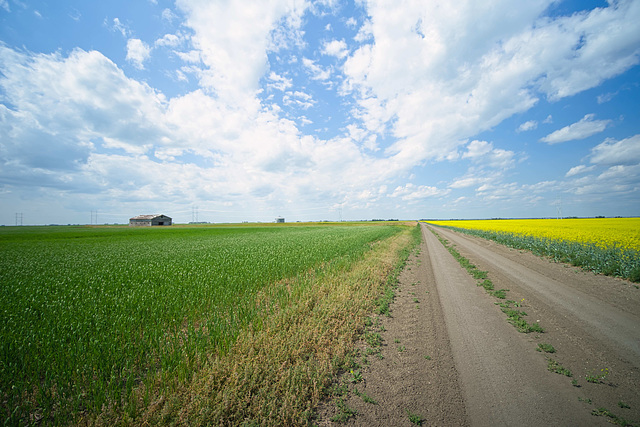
(149, 220)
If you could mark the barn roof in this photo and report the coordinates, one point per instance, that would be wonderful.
(149, 216)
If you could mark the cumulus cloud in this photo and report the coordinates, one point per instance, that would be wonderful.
(612, 152)
(138, 52)
(236, 60)
(337, 48)
(443, 72)
(483, 152)
(582, 129)
(528, 125)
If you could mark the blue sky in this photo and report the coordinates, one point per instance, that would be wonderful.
(248, 110)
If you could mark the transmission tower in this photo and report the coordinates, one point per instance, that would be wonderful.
(19, 218)
(559, 208)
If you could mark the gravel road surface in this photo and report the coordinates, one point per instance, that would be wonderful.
(450, 357)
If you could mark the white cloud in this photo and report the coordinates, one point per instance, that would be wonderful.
(5, 5)
(279, 82)
(612, 152)
(337, 48)
(412, 193)
(527, 126)
(316, 71)
(233, 39)
(468, 181)
(137, 52)
(483, 152)
(168, 15)
(120, 27)
(580, 169)
(169, 40)
(443, 72)
(582, 129)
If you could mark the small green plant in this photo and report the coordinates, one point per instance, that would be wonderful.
(574, 382)
(364, 397)
(415, 418)
(486, 284)
(416, 300)
(519, 303)
(614, 419)
(585, 400)
(397, 341)
(500, 293)
(401, 348)
(427, 357)
(597, 378)
(373, 339)
(554, 366)
(356, 376)
(344, 412)
(547, 348)
(623, 405)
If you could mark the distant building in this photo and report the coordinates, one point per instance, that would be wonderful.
(149, 220)
(279, 219)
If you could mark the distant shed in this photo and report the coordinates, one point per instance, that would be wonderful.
(149, 220)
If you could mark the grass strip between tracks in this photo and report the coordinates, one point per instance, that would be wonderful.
(515, 317)
(277, 374)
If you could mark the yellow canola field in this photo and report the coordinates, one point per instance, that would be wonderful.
(623, 233)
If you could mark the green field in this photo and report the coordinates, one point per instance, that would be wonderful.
(88, 315)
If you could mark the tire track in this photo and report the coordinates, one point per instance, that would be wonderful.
(504, 381)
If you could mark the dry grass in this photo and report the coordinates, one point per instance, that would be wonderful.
(281, 366)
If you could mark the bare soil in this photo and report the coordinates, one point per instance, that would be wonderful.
(450, 357)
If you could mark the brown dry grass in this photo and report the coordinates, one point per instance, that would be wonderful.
(281, 366)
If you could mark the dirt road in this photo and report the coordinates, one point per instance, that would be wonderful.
(451, 358)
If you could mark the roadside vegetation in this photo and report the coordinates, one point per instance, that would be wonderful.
(190, 325)
(609, 246)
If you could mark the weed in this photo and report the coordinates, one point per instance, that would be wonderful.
(597, 378)
(373, 339)
(428, 357)
(397, 341)
(364, 397)
(547, 348)
(585, 400)
(519, 303)
(486, 284)
(415, 418)
(500, 293)
(356, 376)
(416, 300)
(623, 405)
(554, 366)
(344, 412)
(401, 348)
(574, 382)
(515, 317)
(614, 419)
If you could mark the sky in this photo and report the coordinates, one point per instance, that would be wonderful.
(241, 110)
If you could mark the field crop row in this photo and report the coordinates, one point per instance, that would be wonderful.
(609, 246)
(87, 314)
